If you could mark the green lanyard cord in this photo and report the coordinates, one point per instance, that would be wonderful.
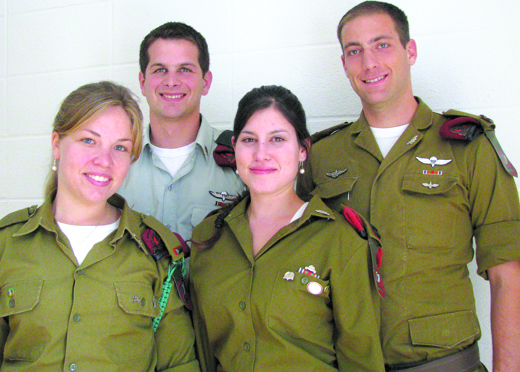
(167, 287)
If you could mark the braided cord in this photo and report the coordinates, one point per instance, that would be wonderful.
(167, 287)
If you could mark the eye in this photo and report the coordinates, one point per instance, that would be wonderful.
(184, 69)
(120, 148)
(278, 139)
(383, 45)
(160, 70)
(88, 140)
(248, 139)
(353, 52)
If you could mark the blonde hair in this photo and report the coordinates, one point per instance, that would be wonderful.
(87, 103)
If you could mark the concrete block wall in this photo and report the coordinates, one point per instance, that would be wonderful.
(467, 59)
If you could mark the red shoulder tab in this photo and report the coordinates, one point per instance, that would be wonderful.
(158, 249)
(461, 128)
(355, 220)
(224, 154)
(374, 244)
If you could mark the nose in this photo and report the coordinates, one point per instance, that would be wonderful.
(369, 59)
(104, 158)
(261, 151)
(171, 79)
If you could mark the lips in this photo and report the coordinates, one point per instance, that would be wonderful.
(375, 80)
(98, 178)
(172, 96)
(262, 170)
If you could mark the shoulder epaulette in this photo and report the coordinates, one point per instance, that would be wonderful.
(21, 215)
(328, 132)
(224, 154)
(466, 127)
(368, 232)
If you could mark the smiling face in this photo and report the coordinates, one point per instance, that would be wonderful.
(267, 153)
(375, 61)
(94, 159)
(173, 82)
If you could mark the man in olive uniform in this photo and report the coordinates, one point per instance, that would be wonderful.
(431, 184)
(177, 178)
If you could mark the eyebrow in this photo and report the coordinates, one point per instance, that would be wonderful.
(160, 64)
(272, 132)
(371, 41)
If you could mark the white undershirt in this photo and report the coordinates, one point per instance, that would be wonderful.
(83, 238)
(299, 212)
(387, 137)
(173, 159)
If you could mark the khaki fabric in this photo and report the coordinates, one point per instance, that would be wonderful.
(247, 317)
(428, 198)
(58, 316)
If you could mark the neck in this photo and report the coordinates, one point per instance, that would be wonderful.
(273, 207)
(92, 215)
(391, 114)
(172, 134)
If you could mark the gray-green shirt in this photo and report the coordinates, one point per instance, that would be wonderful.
(183, 201)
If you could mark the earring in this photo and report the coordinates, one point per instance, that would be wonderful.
(54, 166)
(302, 170)
(236, 171)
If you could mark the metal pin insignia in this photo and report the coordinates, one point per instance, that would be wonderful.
(289, 275)
(336, 173)
(430, 185)
(433, 161)
(136, 299)
(314, 288)
(412, 141)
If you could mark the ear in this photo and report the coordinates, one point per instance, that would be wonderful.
(233, 142)
(411, 50)
(141, 82)
(208, 78)
(55, 143)
(303, 149)
(343, 62)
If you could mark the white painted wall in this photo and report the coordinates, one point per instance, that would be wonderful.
(468, 60)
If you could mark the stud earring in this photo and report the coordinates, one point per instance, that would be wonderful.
(54, 166)
(236, 171)
(302, 170)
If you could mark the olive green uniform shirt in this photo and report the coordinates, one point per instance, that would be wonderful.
(429, 198)
(247, 317)
(58, 316)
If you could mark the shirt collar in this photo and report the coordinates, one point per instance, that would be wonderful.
(422, 119)
(44, 217)
(204, 139)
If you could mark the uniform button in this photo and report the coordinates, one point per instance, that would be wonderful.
(242, 305)
(170, 187)
(247, 347)
(76, 317)
(80, 272)
(305, 280)
(169, 227)
(73, 367)
(143, 302)
(12, 302)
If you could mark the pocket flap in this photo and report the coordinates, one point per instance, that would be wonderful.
(444, 330)
(19, 297)
(137, 298)
(335, 187)
(427, 184)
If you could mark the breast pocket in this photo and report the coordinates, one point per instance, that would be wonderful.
(436, 211)
(131, 334)
(27, 337)
(300, 307)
